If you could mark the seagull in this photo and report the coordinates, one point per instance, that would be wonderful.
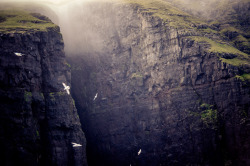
(95, 96)
(18, 54)
(139, 152)
(75, 144)
(66, 87)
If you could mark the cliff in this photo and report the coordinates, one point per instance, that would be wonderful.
(145, 76)
(165, 83)
(38, 119)
(229, 17)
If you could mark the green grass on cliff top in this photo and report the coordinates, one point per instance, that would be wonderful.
(178, 19)
(221, 47)
(22, 21)
(172, 16)
(243, 77)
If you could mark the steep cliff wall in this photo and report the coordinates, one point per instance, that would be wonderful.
(38, 119)
(161, 87)
(230, 17)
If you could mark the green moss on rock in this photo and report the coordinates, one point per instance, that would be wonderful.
(243, 77)
(208, 116)
(22, 21)
(222, 48)
(27, 96)
(170, 15)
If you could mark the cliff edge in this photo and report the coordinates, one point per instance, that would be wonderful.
(38, 119)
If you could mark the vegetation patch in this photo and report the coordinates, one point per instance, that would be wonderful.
(175, 18)
(60, 93)
(136, 75)
(208, 31)
(22, 21)
(229, 29)
(208, 115)
(27, 96)
(170, 15)
(242, 43)
(37, 133)
(244, 77)
(236, 61)
(52, 96)
(221, 48)
(41, 94)
(67, 64)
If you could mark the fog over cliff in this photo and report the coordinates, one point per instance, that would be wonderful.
(78, 20)
(78, 23)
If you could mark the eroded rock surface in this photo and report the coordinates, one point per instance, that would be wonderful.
(38, 119)
(158, 91)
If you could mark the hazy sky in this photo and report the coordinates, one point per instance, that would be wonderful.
(76, 23)
(50, 1)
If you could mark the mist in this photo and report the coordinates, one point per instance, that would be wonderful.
(76, 21)
(87, 24)
(206, 9)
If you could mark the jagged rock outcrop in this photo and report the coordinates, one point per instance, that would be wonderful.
(158, 90)
(38, 119)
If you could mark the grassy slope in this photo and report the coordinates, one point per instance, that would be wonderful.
(178, 19)
(172, 16)
(225, 16)
(21, 21)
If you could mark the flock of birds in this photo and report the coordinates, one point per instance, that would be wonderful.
(67, 88)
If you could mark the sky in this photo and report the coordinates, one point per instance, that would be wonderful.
(50, 1)
(74, 19)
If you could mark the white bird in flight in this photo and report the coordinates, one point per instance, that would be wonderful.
(66, 87)
(95, 96)
(139, 152)
(18, 54)
(76, 145)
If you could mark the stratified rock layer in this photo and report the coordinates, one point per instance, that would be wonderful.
(159, 91)
(38, 119)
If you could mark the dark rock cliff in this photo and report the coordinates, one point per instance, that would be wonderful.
(158, 90)
(38, 119)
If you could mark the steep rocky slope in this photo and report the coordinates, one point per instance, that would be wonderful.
(38, 119)
(228, 17)
(163, 85)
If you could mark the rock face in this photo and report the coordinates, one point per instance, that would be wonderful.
(157, 90)
(38, 119)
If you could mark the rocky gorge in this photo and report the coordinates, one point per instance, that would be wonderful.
(144, 76)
